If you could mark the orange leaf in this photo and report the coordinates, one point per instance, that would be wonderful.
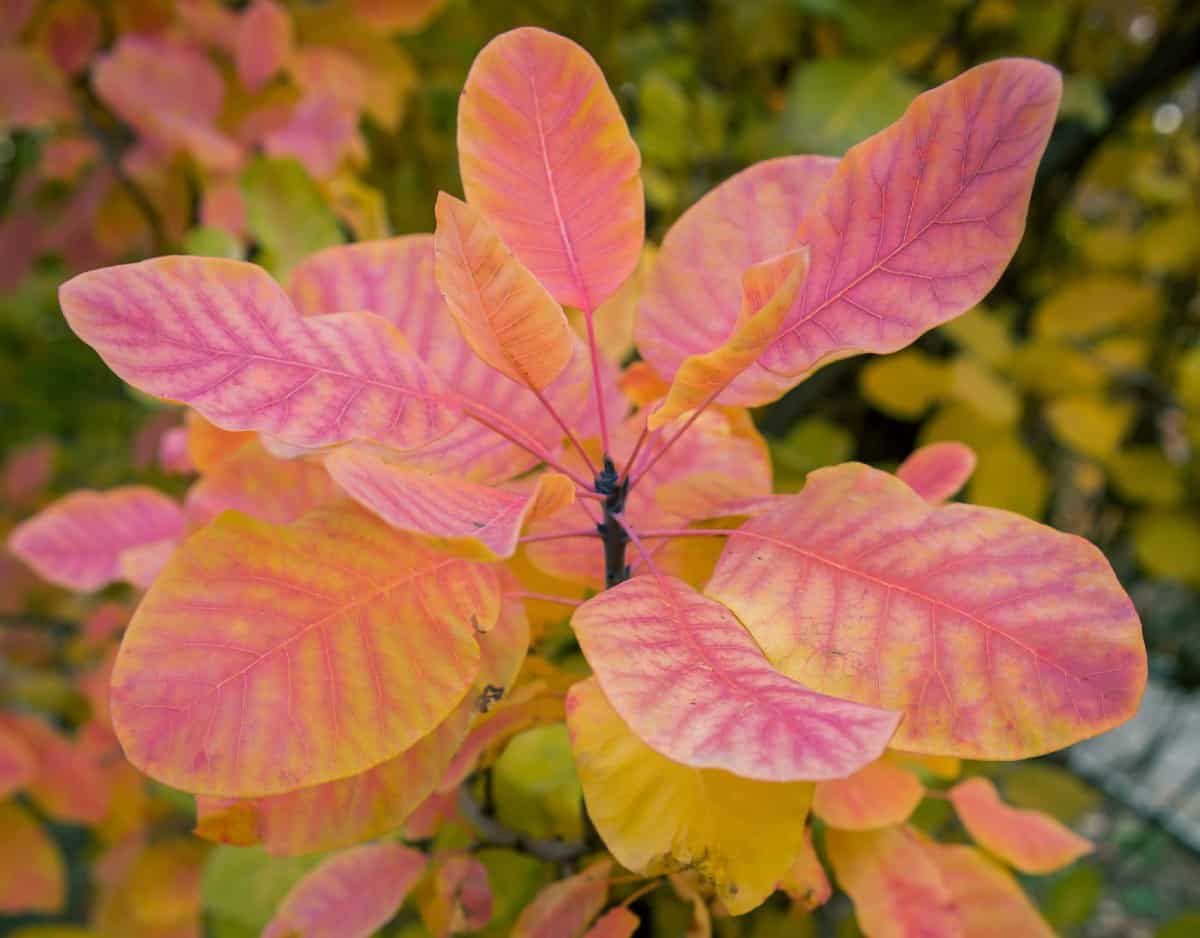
(989, 901)
(896, 888)
(18, 764)
(566, 908)
(768, 290)
(615, 923)
(505, 315)
(266, 659)
(878, 795)
(255, 483)
(32, 876)
(998, 637)
(1031, 841)
(806, 881)
(546, 157)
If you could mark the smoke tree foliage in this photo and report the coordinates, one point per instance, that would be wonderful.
(441, 537)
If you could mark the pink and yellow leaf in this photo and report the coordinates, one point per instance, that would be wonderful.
(546, 156)
(936, 472)
(565, 909)
(998, 637)
(878, 795)
(266, 659)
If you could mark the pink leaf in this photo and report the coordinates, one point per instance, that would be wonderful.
(264, 42)
(473, 518)
(171, 92)
(686, 677)
(566, 908)
(70, 33)
(545, 154)
(320, 131)
(998, 637)
(70, 784)
(937, 471)
(457, 898)
(222, 336)
(1028, 840)
(694, 291)
(394, 278)
(32, 94)
(79, 541)
(350, 895)
(18, 763)
(919, 221)
(615, 923)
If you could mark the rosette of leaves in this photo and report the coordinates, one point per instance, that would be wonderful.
(412, 459)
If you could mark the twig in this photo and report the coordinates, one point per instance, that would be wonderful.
(493, 832)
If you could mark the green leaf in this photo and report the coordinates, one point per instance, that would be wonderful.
(1073, 898)
(1043, 787)
(834, 103)
(243, 886)
(515, 878)
(811, 443)
(286, 214)
(210, 241)
(535, 786)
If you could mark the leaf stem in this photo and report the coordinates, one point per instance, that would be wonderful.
(596, 388)
(501, 425)
(675, 439)
(637, 449)
(546, 598)
(558, 536)
(636, 540)
(494, 832)
(565, 429)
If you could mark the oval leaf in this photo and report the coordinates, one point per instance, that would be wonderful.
(80, 540)
(998, 637)
(266, 659)
(694, 292)
(936, 472)
(222, 336)
(615, 923)
(484, 522)
(350, 895)
(566, 908)
(657, 816)
(878, 795)
(768, 291)
(684, 674)
(505, 315)
(919, 221)
(255, 483)
(1031, 841)
(896, 888)
(988, 900)
(32, 874)
(546, 156)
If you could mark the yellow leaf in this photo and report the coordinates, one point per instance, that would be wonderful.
(1096, 306)
(978, 386)
(982, 333)
(1170, 245)
(1089, 424)
(1008, 476)
(1168, 545)
(904, 385)
(1143, 474)
(658, 816)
